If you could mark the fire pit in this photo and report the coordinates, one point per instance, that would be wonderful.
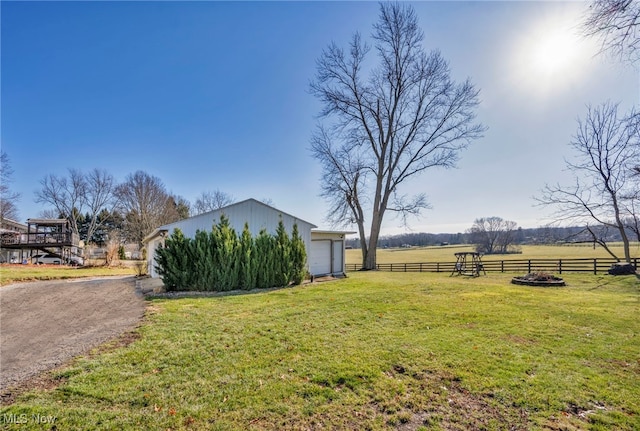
(538, 279)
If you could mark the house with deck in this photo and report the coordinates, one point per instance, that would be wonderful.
(19, 242)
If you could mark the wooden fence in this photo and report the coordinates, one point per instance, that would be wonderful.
(560, 266)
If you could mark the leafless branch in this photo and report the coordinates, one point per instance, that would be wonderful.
(616, 23)
(212, 200)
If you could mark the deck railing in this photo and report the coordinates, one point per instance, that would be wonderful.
(46, 239)
(559, 266)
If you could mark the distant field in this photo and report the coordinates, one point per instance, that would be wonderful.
(446, 253)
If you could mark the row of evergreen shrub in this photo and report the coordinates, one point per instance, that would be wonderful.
(222, 260)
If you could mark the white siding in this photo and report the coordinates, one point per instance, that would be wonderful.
(258, 215)
(337, 255)
(152, 246)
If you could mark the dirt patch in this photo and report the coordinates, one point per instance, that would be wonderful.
(438, 400)
(46, 324)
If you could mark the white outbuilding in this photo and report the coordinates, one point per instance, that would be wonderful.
(325, 249)
(326, 254)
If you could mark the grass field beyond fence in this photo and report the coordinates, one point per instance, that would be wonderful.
(373, 351)
(548, 258)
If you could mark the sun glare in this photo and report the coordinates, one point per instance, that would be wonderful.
(554, 54)
(550, 55)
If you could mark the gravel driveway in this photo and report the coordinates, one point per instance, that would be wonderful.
(45, 324)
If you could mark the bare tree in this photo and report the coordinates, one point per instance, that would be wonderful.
(212, 200)
(493, 235)
(405, 117)
(146, 205)
(99, 196)
(65, 194)
(8, 199)
(617, 24)
(607, 150)
(111, 252)
(73, 195)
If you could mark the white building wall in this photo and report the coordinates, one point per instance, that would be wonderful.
(152, 246)
(337, 256)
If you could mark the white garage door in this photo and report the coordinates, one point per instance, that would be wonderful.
(320, 257)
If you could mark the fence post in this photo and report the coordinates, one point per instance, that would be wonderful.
(502, 266)
(405, 267)
(595, 266)
(438, 267)
(560, 266)
(529, 266)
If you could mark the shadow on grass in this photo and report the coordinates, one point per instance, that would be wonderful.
(179, 294)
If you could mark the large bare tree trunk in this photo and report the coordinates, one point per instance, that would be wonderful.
(370, 261)
(363, 244)
(623, 234)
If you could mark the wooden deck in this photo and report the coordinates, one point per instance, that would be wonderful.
(41, 234)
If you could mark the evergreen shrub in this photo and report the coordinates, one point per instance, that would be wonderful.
(222, 259)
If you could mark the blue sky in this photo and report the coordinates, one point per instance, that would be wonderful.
(214, 95)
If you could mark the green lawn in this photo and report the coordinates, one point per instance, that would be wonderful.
(374, 351)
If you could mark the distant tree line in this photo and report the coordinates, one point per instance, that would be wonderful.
(222, 260)
(520, 236)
